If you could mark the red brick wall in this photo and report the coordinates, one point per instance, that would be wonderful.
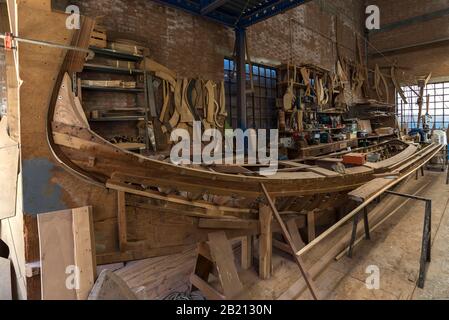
(193, 46)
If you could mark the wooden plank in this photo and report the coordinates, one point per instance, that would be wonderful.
(230, 169)
(223, 256)
(368, 189)
(295, 175)
(311, 226)
(265, 242)
(121, 218)
(294, 234)
(409, 151)
(84, 247)
(56, 254)
(358, 170)
(109, 286)
(5, 279)
(324, 172)
(227, 224)
(293, 164)
(209, 292)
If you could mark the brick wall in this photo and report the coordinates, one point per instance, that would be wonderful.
(193, 46)
(417, 61)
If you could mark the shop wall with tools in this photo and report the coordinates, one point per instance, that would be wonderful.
(315, 60)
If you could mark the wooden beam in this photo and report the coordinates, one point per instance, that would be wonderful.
(223, 256)
(84, 247)
(294, 233)
(121, 218)
(311, 225)
(285, 233)
(265, 242)
(247, 252)
(209, 292)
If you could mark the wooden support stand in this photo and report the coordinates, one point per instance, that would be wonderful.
(286, 234)
(216, 254)
(265, 242)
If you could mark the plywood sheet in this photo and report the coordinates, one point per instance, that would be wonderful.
(223, 256)
(56, 253)
(9, 165)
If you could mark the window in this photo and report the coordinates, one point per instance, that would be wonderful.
(261, 104)
(438, 105)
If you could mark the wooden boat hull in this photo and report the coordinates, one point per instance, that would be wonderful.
(103, 162)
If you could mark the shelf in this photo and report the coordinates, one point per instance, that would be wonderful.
(125, 118)
(377, 137)
(324, 129)
(109, 69)
(116, 54)
(112, 89)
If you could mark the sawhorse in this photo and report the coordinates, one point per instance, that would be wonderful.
(354, 229)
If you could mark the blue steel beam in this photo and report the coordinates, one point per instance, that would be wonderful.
(207, 6)
(271, 9)
(195, 8)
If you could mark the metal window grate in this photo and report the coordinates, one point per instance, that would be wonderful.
(261, 105)
(438, 105)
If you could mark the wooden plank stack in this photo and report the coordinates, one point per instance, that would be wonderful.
(98, 37)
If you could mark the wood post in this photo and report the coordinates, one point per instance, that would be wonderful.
(121, 218)
(265, 241)
(247, 252)
(285, 233)
(311, 225)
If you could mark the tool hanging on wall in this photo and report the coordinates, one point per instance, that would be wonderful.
(396, 84)
(379, 79)
(289, 97)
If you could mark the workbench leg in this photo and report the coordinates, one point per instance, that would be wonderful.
(265, 241)
(247, 252)
(422, 171)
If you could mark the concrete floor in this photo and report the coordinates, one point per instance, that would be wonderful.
(395, 248)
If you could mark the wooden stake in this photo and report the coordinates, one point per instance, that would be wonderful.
(305, 274)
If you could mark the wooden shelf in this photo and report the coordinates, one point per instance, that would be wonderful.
(116, 54)
(113, 89)
(121, 118)
(109, 69)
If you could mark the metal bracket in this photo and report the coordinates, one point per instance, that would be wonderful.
(427, 233)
